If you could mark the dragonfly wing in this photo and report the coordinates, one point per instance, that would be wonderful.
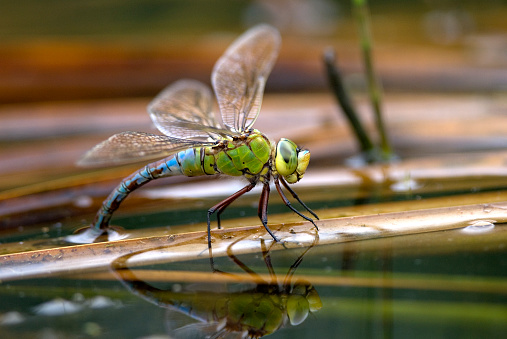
(184, 110)
(127, 147)
(181, 325)
(240, 74)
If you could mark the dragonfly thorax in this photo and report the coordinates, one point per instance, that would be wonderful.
(248, 155)
(291, 161)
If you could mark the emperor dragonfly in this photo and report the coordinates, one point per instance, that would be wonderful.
(196, 144)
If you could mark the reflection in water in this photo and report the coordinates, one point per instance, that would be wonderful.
(250, 309)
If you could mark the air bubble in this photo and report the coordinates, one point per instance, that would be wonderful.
(57, 307)
(78, 298)
(479, 226)
(100, 302)
(405, 185)
(92, 329)
(12, 318)
(83, 201)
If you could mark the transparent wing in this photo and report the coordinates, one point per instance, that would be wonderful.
(184, 110)
(179, 325)
(129, 147)
(240, 74)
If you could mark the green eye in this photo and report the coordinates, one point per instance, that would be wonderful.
(286, 159)
(297, 309)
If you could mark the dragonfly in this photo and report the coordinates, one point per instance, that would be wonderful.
(250, 306)
(196, 143)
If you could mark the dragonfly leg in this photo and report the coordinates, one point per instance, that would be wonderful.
(294, 266)
(222, 205)
(220, 210)
(267, 260)
(263, 209)
(289, 205)
(295, 196)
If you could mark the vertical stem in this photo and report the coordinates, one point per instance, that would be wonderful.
(374, 87)
(342, 96)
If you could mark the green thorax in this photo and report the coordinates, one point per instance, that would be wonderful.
(244, 155)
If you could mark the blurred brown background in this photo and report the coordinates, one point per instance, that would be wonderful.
(61, 50)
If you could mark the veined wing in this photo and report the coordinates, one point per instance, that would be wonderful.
(129, 147)
(240, 74)
(184, 110)
(179, 324)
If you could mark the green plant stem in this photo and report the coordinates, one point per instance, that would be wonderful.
(374, 87)
(343, 98)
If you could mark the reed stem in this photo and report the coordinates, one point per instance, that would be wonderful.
(374, 86)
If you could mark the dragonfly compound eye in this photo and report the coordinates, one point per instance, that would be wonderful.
(298, 309)
(286, 159)
(303, 161)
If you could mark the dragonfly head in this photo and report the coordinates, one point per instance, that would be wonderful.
(291, 161)
(302, 300)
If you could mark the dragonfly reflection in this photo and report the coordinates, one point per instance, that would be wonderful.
(195, 143)
(237, 310)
